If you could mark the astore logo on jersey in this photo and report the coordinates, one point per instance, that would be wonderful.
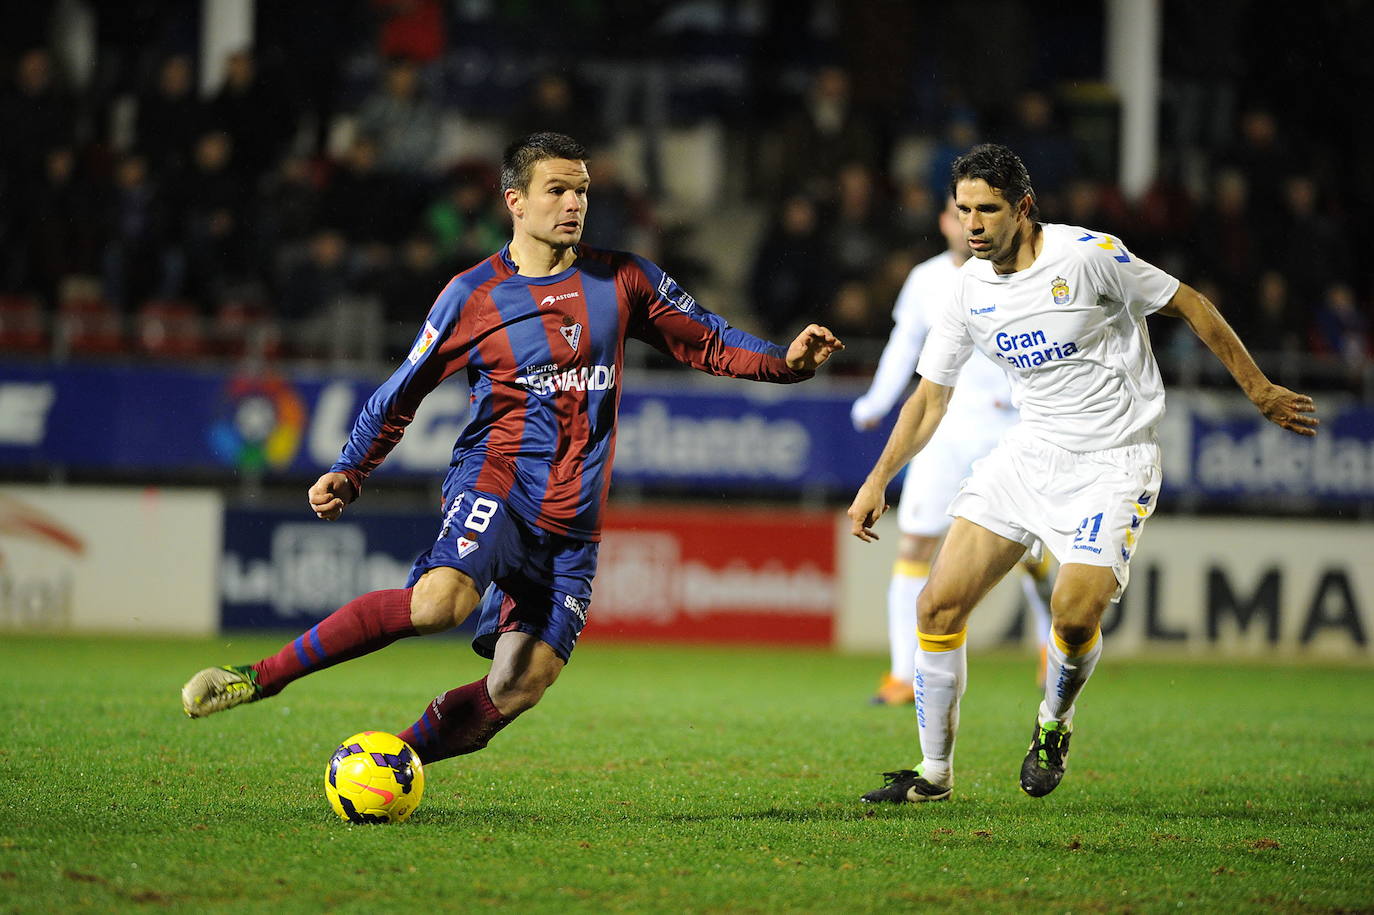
(587, 378)
(1028, 350)
(549, 300)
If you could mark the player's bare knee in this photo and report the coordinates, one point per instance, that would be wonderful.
(441, 599)
(939, 614)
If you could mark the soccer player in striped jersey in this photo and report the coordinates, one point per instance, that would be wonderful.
(539, 331)
(1062, 310)
(980, 410)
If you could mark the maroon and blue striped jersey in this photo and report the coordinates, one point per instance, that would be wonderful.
(543, 357)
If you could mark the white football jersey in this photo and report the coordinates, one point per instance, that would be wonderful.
(982, 386)
(1070, 333)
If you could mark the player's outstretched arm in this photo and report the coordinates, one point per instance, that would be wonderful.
(330, 495)
(812, 348)
(920, 416)
(1282, 407)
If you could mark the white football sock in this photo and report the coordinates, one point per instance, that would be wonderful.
(908, 578)
(941, 676)
(1068, 668)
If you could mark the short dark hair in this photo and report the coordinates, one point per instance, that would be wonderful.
(1001, 168)
(517, 165)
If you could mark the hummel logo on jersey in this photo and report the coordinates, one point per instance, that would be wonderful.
(1027, 351)
(983, 311)
(572, 333)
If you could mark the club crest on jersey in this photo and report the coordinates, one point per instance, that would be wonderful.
(422, 345)
(1059, 288)
(674, 295)
(572, 333)
(466, 546)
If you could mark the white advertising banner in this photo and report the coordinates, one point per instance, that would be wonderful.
(1239, 587)
(101, 559)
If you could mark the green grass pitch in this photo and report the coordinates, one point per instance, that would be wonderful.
(656, 779)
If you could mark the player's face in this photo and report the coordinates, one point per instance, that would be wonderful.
(993, 227)
(554, 207)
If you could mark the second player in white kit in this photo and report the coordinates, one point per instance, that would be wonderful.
(980, 411)
(1062, 310)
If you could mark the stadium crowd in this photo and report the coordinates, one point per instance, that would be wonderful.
(327, 182)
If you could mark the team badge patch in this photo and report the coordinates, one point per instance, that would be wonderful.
(1059, 288)
(572, 333)
(422, 345)
(466, 546)
(674, 295)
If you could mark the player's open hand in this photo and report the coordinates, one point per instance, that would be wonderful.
(812, 347)
(1288, 409)
(868, 506)
(330, 495)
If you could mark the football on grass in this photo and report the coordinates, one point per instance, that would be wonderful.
(374, 777)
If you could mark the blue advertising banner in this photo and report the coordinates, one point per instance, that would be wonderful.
(289, 570)
(676, 429)
(734, 435)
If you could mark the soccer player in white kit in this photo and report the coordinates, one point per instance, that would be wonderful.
(1063, 311)
(980, 410)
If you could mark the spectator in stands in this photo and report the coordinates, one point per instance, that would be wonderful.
(1341, 329)
(917, 212)
(1045, 145)
(1276, 327)
(858, 224)
(1233, 246)
(286, 209)
(169, 119)
(318, 277)
(958, 136)
(463, 223)
(853, 307)
(59, 226)
(363, 202)
(257, 117)
(1312, 245)
(624, 218)
(212, 203)
(1266, 158)
(135, 262)
(552, 103)
(37, 114)
(406, 290)
(402, 121)
(823, 134)
(791, 277)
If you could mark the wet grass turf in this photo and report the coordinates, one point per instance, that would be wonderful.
(680, 779)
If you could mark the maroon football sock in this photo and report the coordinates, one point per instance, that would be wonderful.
(460, 721)
(360, 626)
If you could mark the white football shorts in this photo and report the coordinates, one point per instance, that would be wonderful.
(1087, 507)
(933, 476)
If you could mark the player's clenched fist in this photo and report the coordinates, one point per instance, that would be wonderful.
(330, 494)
